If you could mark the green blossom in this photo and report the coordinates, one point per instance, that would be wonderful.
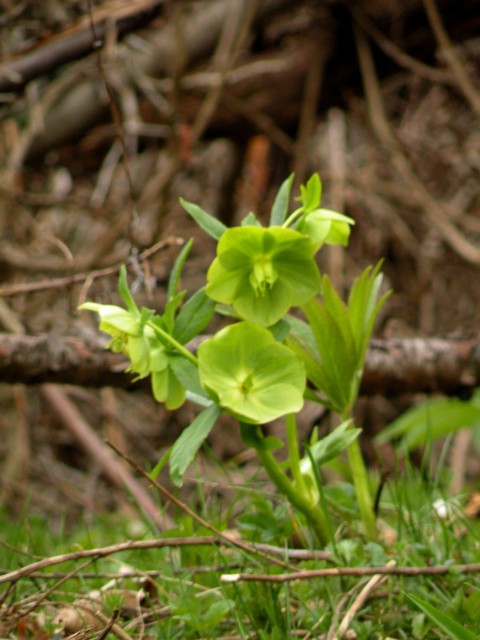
(263, 272)
(251, 375)
(323, 226)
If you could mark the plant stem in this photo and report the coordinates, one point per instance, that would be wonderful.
(293, 217)
(174, 343)
(299, 500)
(362, 489)
(294, 453)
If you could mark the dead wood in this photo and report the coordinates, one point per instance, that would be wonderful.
(83, 100)
(75, 42)
(393, 367)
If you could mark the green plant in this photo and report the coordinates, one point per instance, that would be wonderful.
(257, 367)
(447, 624)
(434, 418)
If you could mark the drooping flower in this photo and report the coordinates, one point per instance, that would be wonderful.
(251, 375)
(263, 272)
(323, 226)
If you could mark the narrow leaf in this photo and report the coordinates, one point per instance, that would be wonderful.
(279, 210)
(194, 316)
(432, 419)
(333, 444)
(186, 447)
(124, 291)
(177, 269)
(455, 630)
(205, 221)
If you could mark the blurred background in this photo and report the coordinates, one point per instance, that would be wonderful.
(110, 110)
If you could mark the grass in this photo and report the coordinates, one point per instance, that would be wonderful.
(178, 591)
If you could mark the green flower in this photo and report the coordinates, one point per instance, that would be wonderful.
(251, 375)
(126, 329)
(165, 385)
(323, 226)
(263, 272)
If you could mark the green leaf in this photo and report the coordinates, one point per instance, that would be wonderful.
(336, 358)
(187, 374)
(250, 220)
(194, 316)
(279, 210)
(205, 221)
(432, 419)
(186, 447)
(177, 270)
(124, 291)
(364, 305)
(311, 193)
(455, 630)
(333, 444)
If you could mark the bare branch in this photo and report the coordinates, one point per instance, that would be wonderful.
(393, 367)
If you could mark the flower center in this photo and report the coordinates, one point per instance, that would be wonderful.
(245, 384)
(263, 275)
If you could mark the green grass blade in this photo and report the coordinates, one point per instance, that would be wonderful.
(455, 630)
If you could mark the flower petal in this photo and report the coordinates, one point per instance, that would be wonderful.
(250, 374)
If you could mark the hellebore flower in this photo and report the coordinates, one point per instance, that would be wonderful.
(263, 272)
(323, 226)
(251, 375)
(165, 385)
(138, 342)
(126, 329)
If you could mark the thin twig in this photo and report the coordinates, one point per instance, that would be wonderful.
(447, 50)
(438, 570)
(89, 277)
(88, 439)
(250, 549)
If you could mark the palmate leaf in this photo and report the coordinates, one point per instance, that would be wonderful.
(186, 447)
(335, 351)
(455, 630)
(279, 210)
(205, 221)
(364, 305)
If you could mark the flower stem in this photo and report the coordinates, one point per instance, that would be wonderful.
(294, 453)
(174, 343)
(362, 489)
(311, 510)
(293, 217)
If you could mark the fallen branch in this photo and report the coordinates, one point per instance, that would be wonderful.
(393, 367)
(438, 570)
(75, 42)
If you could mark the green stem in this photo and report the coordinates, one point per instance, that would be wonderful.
(174, 343)
(294, 453)
(362, 488)
(299, 500)
(293, 217)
